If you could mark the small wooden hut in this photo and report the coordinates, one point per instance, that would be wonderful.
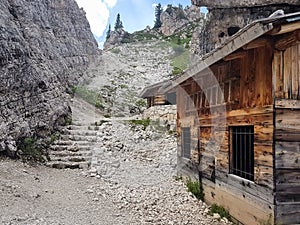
(239, 122)
(155, 96)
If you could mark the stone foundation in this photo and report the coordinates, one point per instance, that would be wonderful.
(166, 114)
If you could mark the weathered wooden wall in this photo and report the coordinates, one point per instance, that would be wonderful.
(286, 82)
(236, 91)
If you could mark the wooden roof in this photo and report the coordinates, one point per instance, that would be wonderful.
(153, 89)
(276, 25)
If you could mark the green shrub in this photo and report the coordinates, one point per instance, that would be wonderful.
(107, 116)
(143, 122)
(176, 71)
(195, 188)
(54, 137)
(30, 150)
(68, 121)
(142, 36)
(115, 50)
(220, 210)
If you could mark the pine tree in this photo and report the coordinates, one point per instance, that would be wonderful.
(118, 24)
(108, 32)
(158, 12)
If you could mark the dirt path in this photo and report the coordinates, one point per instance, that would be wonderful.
(40, 195)
(130, 182)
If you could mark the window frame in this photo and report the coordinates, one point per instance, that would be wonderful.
(242, 161)
(186, 153)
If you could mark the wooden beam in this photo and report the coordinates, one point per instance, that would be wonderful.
(235, 55)
(286, 28)
(288, 40)
(260, 42)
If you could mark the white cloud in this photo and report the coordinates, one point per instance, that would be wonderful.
(110, 3)
(97, 13)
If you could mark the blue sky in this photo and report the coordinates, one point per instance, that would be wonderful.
(135, 14)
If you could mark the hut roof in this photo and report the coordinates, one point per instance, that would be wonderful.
(272, 25)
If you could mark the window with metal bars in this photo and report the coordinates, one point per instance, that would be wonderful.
(242, 152)
(186, 142)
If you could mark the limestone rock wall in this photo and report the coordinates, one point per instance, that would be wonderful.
(175, 19)
(115, 39)
(45, 47)
(225, 18)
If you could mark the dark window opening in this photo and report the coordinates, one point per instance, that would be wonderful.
(186, 142)
(232, 30)
(242, 152)
(171, 98)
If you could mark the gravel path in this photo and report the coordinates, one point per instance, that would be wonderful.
(131, 182)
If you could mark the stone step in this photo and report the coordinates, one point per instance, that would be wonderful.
(70, 165)
(71, 159)
(79, 132)
(74, 148)
(83, 127)
(73, 143)
(74, 137)
(70, 148)
(69, 153)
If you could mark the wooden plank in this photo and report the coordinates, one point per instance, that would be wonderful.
(288, 213)
(287, 154)
(263, 154)
(263, 77)
(187, 167)
(298, 68)
(259, 116)
(287, 176)
(287, 104)
(292, 135)
(262, 133)
(286, 28)
(255, 211)
(295, 73)
(289, 188)
(262, 192)
(287, 119)
(263, 175)
(278, 74)
(257, 43)
(235, 55)
(286, 196)
(287, 41)
(287, 73)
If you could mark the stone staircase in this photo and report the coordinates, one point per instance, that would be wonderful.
(74, 148)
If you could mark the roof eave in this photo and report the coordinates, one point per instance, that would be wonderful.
(243, 37)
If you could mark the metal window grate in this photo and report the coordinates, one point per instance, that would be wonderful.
(242, 156)
(186, 142)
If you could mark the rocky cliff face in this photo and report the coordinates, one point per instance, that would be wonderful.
(45, 47)
(225, 18)
(115, 39)
(175, 19)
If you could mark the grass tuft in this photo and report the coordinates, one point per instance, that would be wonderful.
(195, 188)
(220, 210)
